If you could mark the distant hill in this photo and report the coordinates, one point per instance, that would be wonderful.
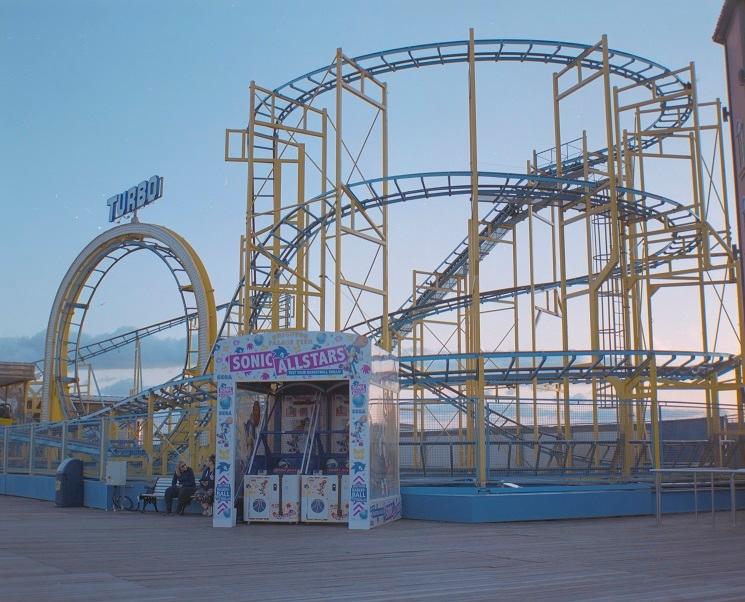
(156, 351)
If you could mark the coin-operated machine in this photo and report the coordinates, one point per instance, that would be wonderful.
(307, 429)
(300, 454)
(325, 492)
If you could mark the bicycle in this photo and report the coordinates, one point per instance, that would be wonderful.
(120, 502)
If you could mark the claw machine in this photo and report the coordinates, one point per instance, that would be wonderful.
(322, 445)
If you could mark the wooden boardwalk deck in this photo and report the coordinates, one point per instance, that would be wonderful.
(53, 554)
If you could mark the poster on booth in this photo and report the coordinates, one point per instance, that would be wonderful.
(339, 424)
(359, 455)
(249, 412)
(297, 411)
(224, 511)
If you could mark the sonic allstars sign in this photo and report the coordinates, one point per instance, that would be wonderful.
(317, 362)
(295, 356)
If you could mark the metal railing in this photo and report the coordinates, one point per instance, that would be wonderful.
(727, 478)
(439, 439)
(38, 448)
(435, 441)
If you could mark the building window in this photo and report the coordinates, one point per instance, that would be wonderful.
(739, 147)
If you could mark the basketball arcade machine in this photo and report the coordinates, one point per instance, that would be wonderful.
(299, 463)
(307, 429)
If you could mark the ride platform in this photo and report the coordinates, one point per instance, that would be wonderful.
(543, 501)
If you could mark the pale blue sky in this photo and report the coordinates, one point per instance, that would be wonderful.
(97, 95)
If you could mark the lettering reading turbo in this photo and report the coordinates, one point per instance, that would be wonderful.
(318, 361)
(135, 198)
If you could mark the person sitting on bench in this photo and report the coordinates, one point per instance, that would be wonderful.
(182, 487)
(205, 494)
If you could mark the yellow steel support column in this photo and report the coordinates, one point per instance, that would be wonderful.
(654, 409)
(338, 195)
(163, 445)
(516, 318)
(645, 288)
(250, 209)
(242, 255)
(276, 239)
(466, 455)
(147, 435)
(324, 229)
(588, 251)
(698, 172)
(625, 422)
(191, 434)
(470, 409)
(649, 291)
(630, 277)
(563, 299)
(301, 286)
(417, 348)
(716, 427)
(476, 393)
(694, 144)
(533, 334)
(385, 339)
(606, 270)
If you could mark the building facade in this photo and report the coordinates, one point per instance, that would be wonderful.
(730, 32)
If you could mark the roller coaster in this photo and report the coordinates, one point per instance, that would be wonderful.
(315, 255)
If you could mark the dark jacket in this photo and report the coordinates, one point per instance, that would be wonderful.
(185, 480)
(207, 480)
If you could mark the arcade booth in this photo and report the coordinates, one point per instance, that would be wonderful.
(307, 430)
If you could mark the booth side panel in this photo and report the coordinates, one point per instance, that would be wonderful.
(359, 454)
(384, 483)
(225, 514)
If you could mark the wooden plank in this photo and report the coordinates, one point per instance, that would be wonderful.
(12, 373)
(49, 553)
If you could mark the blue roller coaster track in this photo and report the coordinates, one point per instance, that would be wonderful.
(510, 195)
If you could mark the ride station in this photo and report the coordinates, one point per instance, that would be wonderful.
(522, 376)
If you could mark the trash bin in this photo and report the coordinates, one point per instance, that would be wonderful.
(68, 489)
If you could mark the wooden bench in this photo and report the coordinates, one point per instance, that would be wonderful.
(158, 493)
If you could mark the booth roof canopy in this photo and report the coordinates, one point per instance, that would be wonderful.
(12, 373)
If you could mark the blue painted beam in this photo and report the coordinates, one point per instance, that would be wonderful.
(471, 505)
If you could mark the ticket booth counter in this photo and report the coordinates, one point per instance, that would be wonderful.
(307, 430)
